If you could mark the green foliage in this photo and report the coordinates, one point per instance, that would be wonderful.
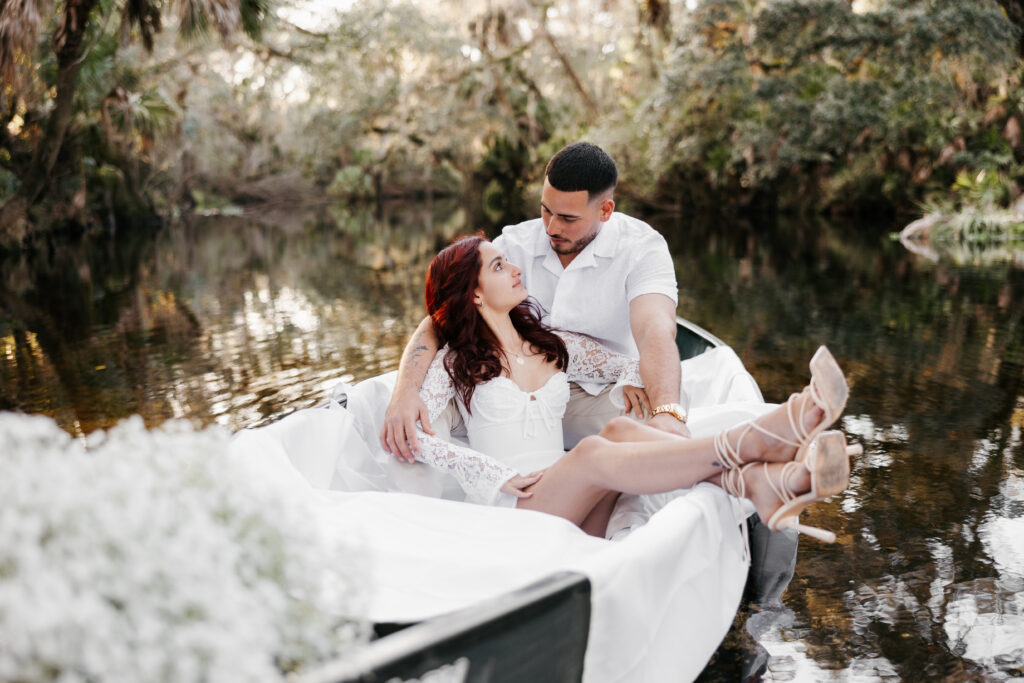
(351, 182)
(803, 104)
(89, 102)
(826, 107)
(8, 183)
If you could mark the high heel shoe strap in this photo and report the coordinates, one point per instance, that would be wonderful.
(729, 456)
(781, 490)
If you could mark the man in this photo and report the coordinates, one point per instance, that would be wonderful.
(593, 270)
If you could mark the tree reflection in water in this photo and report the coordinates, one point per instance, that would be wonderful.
(928, 577)
(233, 320)
(241, 320)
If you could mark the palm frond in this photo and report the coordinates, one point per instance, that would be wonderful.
(143, 14)
(254, 15)
(20, 24)
(197, 17)
(193, 24)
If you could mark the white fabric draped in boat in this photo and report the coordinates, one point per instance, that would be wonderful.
(664, 594)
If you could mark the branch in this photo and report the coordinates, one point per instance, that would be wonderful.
(542, 29)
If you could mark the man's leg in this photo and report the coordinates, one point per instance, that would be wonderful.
(586, 415)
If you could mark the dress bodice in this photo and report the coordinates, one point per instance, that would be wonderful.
(521, 428)
(512, 431)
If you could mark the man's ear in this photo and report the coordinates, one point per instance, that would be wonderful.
(607, 208)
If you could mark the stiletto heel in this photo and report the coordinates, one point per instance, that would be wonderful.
(823, 535)
(828, 390)
(829, 465)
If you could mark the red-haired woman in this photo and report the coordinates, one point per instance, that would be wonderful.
(510, 375)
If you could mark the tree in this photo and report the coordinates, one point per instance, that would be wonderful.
(28, 68)
(820, 106)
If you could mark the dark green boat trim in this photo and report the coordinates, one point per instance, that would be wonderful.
(693, 340)
(537, 633)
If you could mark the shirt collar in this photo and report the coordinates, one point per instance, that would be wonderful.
(603, 246)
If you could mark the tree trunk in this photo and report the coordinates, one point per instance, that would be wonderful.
(70, 46)
(570, 72)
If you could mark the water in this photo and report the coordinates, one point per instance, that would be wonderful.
(240, 320)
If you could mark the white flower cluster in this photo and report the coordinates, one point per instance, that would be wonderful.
(139, 556)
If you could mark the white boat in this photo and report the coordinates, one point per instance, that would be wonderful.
(479, 593)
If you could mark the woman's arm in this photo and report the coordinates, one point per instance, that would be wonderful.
(480, 476)
(436, 387)
(591, 362)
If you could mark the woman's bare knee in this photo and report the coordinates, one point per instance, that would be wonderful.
(618, 428)
(590, 459)
(587, 450)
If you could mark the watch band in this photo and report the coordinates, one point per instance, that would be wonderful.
(673, 409)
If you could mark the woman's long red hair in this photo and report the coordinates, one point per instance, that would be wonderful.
(474, 352)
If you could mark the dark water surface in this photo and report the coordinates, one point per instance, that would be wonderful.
(241, 320)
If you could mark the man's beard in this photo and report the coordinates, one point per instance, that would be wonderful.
(573, 247)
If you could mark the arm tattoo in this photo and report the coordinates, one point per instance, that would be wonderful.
(416, 352)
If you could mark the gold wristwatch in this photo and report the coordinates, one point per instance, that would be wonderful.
(673, 409)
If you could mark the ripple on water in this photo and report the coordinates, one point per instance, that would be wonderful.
(984, 623)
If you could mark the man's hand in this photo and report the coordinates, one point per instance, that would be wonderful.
(398, 437)
(517, 485)
(668, 423)
(636, 401)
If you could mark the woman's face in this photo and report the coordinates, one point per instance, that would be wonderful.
(500, 286)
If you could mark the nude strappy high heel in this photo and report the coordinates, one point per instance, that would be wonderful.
(828, 391)
(829, 466)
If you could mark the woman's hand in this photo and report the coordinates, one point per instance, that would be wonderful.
(518, 484)
(636, 399)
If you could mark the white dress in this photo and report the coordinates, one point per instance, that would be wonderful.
(513, 431)
(663, 596)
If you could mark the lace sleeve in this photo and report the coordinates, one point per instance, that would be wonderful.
(591, 362)
(437, 388)
(479, 476)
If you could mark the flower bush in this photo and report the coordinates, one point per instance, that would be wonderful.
(142, 555)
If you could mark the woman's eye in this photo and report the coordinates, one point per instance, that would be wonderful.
(497, 266)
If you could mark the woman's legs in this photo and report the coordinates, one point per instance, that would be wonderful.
(575, 485)
(596, 521)
(619, 429)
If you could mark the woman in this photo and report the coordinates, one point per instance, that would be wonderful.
(510, 376)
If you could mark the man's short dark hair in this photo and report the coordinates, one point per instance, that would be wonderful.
(582, 166)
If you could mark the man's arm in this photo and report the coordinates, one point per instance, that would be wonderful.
(398, 436)
(652, 318)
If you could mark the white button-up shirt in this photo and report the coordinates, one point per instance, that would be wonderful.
(592, 295)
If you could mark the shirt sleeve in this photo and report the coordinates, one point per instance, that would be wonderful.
(653, 271)
(480, 476)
